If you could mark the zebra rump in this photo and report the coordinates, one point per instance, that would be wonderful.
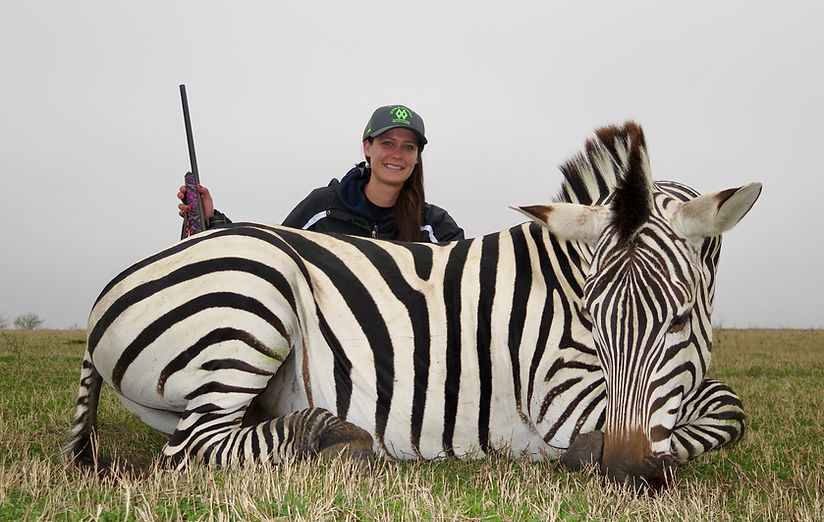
(585, 333)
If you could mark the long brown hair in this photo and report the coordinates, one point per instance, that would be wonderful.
(409, 205)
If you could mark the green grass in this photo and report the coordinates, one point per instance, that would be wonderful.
(772, 474)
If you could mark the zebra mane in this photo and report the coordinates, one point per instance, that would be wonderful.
(614, 169)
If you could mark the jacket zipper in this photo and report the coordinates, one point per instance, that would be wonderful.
(374, 230)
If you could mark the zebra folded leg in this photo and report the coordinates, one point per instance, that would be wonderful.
(220, 438)
(316, 431)
(710, 418)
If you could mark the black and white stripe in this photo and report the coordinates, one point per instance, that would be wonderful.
(240, 341)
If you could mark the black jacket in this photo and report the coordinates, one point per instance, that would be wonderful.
(342, 207)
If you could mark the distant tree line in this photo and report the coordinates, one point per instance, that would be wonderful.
(29, 321)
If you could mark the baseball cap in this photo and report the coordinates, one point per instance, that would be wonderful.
(393, 117)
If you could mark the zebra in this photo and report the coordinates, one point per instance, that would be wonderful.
(582, 334)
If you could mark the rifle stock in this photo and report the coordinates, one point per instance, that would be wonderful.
(194, 221)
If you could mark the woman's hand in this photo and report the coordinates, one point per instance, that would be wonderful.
(208, 204)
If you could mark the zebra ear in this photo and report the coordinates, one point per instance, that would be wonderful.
(713, 214)
(569, 221)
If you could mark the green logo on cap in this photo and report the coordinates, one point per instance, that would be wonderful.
(401, 114)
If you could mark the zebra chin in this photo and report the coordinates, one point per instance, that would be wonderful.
(623, 459)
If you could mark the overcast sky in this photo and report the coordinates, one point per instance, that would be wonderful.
(93, 147)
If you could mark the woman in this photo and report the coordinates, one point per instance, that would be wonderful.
(382, 197)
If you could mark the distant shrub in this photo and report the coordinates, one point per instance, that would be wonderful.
(28, 321)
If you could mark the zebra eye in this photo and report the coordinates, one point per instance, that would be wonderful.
(679, 323)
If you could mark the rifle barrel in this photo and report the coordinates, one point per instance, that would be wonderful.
(192, 157)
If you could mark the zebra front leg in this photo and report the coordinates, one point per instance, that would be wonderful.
(587, 448)
(711, 417)
(316, 431)
(220, 439)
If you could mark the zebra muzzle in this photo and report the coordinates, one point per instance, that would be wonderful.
(623, 460)
(627, 459)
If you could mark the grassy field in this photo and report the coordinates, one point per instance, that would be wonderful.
(774, 473)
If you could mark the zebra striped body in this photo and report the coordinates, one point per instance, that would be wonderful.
(512, 343)
(427, 357)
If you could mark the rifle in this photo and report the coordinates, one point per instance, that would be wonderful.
(194, 221)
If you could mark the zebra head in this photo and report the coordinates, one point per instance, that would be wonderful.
(648, 291)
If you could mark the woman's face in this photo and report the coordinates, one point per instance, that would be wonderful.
(392, 156)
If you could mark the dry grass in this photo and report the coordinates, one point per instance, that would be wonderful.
(773, 474)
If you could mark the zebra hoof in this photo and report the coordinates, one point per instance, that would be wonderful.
(347, 442)
(360, 458)
(586, 448)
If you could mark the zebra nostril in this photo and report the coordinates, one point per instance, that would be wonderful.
(662, 475)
